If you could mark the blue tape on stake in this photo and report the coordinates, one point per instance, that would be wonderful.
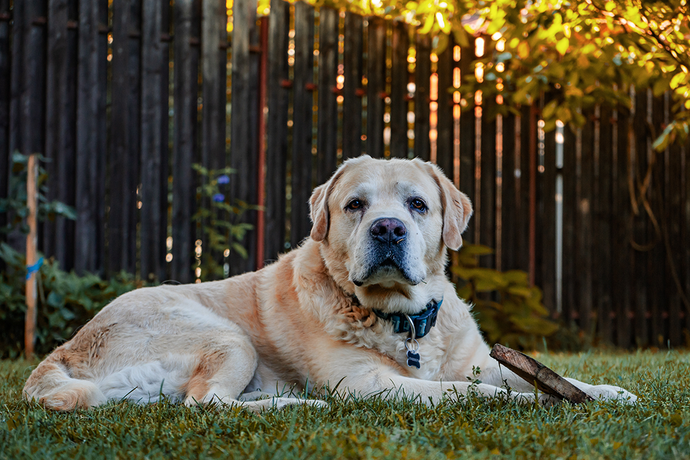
(31, 269)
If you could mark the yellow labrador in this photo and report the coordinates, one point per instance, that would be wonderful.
(363, 303)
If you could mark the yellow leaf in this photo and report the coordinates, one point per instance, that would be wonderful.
(523, 50)
(562, 45)
(496, 451)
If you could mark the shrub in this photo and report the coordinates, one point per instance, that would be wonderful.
(508, 309)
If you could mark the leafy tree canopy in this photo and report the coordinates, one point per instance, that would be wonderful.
(583, 53)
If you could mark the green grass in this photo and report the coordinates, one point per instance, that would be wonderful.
(657, 427)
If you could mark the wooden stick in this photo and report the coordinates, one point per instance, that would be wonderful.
(31, 238)
(536, 373)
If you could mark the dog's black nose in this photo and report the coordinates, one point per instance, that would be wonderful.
(388, 230)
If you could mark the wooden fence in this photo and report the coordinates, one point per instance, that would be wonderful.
(124, 97)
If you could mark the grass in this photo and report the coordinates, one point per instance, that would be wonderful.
(657, 427)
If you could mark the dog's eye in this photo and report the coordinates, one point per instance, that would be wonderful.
(355, 205)
(418, 204)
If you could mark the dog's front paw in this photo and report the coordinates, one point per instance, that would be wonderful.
(610, 392)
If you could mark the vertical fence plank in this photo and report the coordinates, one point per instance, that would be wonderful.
(523, 218)
(547, 222)
(184, 146)
(90, 154)
(583, 224)
(603, 243)
(657, 267)
(422, 80)
(213, 64)
(672, 223)
(154, 139)
(276, 126)
(59, 122)
(467, 137)
(5, 83)
(302, 127)
(639, 267)
(685, 277)
(445, 157)
(352, 86)
(509, 194)
(487, 201)
(242, 125)
(399, 102)
(569, 270)
(376, 86)
(125, 139)
(621, 260)
(243, 139)
(327, 132)
(214, 42)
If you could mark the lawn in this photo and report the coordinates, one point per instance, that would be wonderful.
(657, 427)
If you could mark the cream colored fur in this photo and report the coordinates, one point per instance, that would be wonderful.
(297, 320)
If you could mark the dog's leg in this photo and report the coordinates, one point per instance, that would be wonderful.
(224, 369)
(502, 376)
(393, 385)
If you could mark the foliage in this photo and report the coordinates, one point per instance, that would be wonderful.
(584, 53)
(15, 204)
(508, 309)
(219, 222)
(473, 428)
(66, 302)
(581, 53)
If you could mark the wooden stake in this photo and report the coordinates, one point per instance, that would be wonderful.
(31, 259)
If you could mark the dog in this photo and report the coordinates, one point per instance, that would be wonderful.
(362, 306)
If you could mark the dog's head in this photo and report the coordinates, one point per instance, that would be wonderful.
(386, 223)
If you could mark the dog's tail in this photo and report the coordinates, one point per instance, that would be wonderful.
(52, 386)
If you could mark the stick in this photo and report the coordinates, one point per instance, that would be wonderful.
(31, 238)
(537, 374)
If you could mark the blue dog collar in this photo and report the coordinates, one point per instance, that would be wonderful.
(423, 321)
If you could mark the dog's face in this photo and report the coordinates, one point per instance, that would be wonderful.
(385, 223)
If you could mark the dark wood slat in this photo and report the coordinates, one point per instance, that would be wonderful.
(352, 86)
(622, 252)
(468, 138)
(243, 125)
(487, 203)
(327, 124)
(5, 84)
(570, 297)
(28, 88)
(673, 217)
(154, 140)
(639, 267)
(58, 121)
(422, 76)
(523, 216)
(90, 151)
(185, 138)
(214, 41)
(686, 229)
(583, 224)
(547, 223)
(278, 99)
(657, 265)
(125, 137)
(509, 195)
(400, 45)
(302, 123)
(445, 157)
(376, 86)
(213, 65)
(603, 244)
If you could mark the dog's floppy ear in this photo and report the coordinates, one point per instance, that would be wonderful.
(457, 208)
(318, 207)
